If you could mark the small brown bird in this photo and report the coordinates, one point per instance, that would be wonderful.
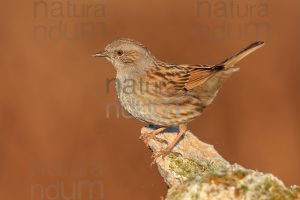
(166, 94)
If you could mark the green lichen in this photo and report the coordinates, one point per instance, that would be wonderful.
(189, 168)
(234, 183)
(272, 189)
(225, 178)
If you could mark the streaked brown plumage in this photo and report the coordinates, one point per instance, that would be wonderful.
(166, 94)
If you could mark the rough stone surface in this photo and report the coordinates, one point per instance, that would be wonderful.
(194, 170)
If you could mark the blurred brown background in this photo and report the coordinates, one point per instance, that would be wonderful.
(59, 126)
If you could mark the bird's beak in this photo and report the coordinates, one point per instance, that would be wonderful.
(100, 54)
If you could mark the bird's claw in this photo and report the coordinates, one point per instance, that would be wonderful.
(143, 136)
(163, 153)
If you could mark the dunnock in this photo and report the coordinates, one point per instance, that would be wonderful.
(166, 94)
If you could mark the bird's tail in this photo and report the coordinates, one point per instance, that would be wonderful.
(232, 60)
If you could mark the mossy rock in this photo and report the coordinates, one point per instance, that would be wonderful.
(234, 183)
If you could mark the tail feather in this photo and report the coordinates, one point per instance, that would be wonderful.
(232, 60)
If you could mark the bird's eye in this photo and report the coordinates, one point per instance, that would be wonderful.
(120, 52)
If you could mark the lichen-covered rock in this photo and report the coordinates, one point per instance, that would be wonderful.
(190, 158)
(195, 171)
(233, 183)
(188, 168)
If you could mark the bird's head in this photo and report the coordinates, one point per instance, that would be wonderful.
(127, 56)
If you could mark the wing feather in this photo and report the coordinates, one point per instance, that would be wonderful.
(180, 78)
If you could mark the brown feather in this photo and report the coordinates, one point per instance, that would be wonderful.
(199, 74)
(232, 60)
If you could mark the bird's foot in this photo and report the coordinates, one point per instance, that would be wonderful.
(146, 138)
(162, 153)
(143, 136)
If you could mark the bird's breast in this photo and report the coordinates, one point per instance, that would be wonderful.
(151, 104)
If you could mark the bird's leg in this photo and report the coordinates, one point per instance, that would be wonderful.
(151, 135)
(167, 150)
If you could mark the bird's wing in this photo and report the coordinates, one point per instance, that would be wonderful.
(180, 78)
(171, 78)
(199, 74)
